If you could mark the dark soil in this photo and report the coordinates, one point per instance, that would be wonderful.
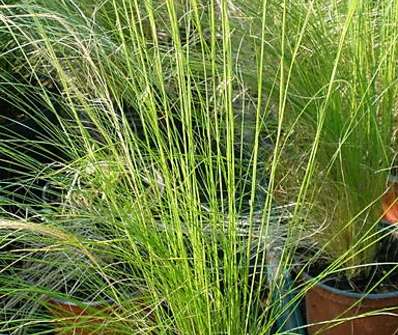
(383, 276)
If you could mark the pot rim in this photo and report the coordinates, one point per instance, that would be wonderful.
(392, 178)
(350, 294)
(82, 303)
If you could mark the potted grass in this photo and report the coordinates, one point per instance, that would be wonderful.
(341, 96)
(204, 290)
(70, 287)
(77, 316)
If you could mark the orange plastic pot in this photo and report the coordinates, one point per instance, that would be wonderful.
(82, 319)
(390, 202)
(325, 304)
(89, 318)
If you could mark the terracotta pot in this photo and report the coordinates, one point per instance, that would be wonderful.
(89, 318)
(82, 319)
(325, 303)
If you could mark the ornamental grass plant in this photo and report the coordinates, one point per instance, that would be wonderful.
(339, 65)
(159, 205)
(181, 151)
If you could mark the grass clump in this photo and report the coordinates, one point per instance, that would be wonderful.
(162, 190)
(337, 61)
